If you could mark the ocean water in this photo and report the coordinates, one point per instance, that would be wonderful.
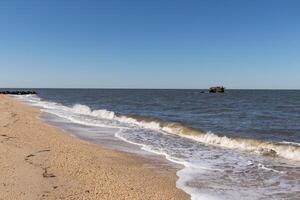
(243, 144)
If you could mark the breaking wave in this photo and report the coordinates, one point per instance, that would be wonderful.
(266, 148)
(283, 149)
(85, 110)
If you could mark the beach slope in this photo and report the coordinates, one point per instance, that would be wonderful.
(39, 161)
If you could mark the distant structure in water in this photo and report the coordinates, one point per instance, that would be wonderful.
(219, 89)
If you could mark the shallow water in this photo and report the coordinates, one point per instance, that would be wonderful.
(206, 133)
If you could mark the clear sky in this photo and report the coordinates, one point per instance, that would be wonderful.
(150, 43)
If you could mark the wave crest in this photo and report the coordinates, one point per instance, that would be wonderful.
(289, 150)
(265, 148)
(85, 110)
(285, 150)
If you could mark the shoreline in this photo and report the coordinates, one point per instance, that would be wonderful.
(40, 161)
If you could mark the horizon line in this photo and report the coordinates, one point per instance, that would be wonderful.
(116, 88)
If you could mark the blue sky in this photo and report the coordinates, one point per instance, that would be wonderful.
(150, 44)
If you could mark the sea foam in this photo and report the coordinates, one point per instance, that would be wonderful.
(286, 150)
(267, 148)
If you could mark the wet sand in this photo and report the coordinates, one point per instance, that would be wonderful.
(39, 161)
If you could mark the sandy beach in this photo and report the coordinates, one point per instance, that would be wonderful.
(39, 161)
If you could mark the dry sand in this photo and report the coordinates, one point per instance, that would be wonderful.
(39, 161)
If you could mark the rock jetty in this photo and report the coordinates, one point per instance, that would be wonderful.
(18, 92)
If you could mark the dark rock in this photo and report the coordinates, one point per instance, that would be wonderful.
(18, 92)
(217, 90)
